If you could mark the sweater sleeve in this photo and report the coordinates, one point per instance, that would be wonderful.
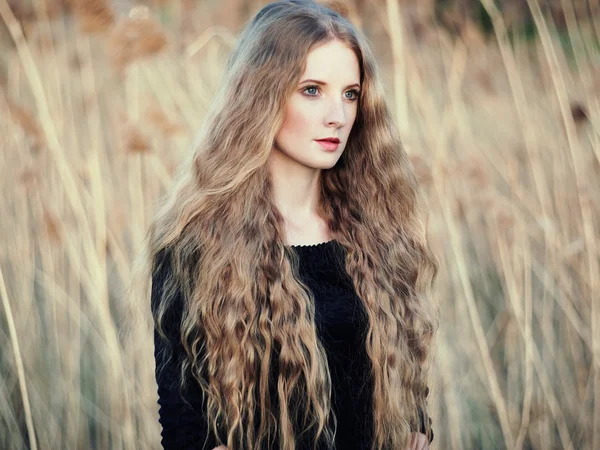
(184, 427)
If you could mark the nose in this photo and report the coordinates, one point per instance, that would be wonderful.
(336, 114)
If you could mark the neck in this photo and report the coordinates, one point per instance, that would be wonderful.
(295, 187)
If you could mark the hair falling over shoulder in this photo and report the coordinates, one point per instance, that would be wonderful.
(245, 308)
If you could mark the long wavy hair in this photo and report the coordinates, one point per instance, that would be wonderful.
(245, 307)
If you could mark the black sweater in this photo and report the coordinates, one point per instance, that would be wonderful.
(341, 327)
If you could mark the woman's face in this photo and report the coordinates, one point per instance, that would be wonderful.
(324, 105)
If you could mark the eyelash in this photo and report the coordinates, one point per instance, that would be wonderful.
(356, 92)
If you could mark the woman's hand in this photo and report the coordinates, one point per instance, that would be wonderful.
(418, 441)
(220, 447)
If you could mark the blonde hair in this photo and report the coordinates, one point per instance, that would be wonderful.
(245, 307)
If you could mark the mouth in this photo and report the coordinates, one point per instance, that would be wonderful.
(329, 144)
(332, 140)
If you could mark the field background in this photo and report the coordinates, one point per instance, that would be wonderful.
(498, 107)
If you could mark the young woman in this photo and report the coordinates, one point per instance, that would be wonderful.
(290, 263)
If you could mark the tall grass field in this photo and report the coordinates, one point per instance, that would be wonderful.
(498, 106)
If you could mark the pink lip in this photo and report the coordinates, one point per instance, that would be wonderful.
(329, 145)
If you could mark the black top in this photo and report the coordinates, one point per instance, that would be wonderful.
(341, 327)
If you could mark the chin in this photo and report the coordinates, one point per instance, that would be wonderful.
(326, 164)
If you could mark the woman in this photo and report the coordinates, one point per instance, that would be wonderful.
(289, 261)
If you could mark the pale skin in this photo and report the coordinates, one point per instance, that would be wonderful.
(323, 105)
(316, 111)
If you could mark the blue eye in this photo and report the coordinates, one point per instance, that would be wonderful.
(356, 92)
(311, 87)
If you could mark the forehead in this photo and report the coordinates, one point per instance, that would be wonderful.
(333, 62)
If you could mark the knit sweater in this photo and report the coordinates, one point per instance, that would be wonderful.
(341, 325)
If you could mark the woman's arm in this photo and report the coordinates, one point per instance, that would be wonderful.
(184, 427)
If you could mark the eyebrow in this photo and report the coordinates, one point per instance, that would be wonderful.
(325, 84)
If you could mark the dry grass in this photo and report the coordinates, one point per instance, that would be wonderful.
(504, 140)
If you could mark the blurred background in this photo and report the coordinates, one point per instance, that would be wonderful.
(497, 102)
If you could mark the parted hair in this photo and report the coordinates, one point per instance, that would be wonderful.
(245, 308)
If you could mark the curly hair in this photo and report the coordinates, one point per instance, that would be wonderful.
(245, 307)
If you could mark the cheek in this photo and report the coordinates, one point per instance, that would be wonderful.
(298, 121)
(352, 116)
